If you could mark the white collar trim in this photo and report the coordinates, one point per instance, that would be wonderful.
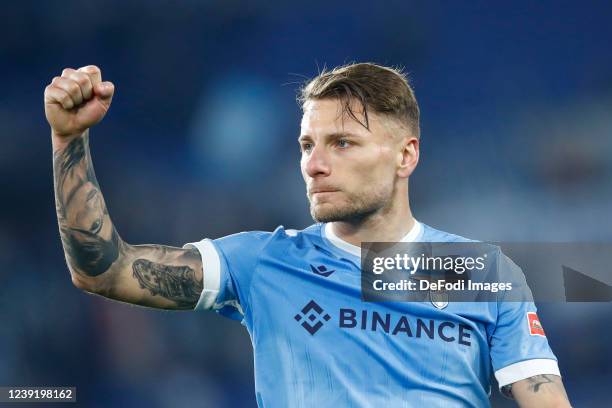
(338, 242)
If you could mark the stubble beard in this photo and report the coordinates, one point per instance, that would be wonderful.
(354, 209)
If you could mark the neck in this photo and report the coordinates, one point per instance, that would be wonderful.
(386, 225)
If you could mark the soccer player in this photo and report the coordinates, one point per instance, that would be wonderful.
(316, 344)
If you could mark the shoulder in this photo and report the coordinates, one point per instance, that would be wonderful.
(431, 234)
(257, 240)
(434, 235)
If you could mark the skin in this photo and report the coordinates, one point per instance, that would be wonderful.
(356, 178)
(539, 391)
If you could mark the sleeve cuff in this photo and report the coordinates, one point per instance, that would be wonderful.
(525, 369)
(211, 273)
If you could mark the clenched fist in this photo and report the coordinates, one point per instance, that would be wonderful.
(77, 100)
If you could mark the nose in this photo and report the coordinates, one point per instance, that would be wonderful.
(317, 163)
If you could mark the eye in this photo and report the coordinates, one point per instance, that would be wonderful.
(306, 147)
(95, 227)
(343, 143)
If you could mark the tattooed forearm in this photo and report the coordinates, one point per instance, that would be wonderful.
(90, 240)
(177, 283)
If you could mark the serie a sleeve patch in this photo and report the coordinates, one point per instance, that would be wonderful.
(535, 327)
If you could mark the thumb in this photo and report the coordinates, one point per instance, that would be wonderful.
(104, 91)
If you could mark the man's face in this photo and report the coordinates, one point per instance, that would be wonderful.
(89, 235)
(350, 171)
(88, 213)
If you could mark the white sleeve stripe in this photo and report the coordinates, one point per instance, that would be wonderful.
(211, 265)
(525, 369)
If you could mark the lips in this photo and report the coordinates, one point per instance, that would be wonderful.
(322, 190)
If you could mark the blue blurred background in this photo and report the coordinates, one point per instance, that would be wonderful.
(200, 142)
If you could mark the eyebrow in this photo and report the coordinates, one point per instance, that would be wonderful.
(335, 135)
(91, 194)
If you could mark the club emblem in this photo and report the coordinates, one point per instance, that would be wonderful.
(438, 298)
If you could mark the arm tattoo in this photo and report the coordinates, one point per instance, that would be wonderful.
(92, 244)
(507, 391)
(537, 381)
(177, 283)
(90, 240)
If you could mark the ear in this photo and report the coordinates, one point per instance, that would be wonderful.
(407, 156)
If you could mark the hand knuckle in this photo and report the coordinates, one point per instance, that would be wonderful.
(74, 87)
(82, 79)
(90, 70)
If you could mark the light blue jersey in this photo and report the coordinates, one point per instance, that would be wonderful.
(317, 344)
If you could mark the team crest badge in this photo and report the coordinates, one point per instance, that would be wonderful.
(438, 298)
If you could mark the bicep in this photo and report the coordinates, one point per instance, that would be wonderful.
(545, 390)
(156, 276)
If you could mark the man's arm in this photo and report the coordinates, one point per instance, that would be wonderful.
(99, 260)
(540, 391)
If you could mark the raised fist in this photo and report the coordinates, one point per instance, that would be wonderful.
(77, 100)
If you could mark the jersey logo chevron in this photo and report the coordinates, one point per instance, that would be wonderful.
(321, 270)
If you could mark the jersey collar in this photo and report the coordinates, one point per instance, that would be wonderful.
(327, 233)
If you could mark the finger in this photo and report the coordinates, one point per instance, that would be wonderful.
(84, 81)
(94, 73)
(57, 95)
(67, 71)
(105, 90)
(71, 87)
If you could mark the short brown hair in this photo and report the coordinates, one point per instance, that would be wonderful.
(383, 89)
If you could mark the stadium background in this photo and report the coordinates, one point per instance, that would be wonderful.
(201, 142)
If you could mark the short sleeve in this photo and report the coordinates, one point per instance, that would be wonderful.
(518, 345)
(228, 264)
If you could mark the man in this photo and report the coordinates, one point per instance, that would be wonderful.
(298, 292)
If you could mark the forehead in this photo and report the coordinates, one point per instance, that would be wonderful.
(327, 115)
